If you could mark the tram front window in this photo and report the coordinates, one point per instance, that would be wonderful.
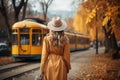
(24, 39)
(36, 39)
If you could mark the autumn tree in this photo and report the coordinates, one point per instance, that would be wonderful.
(110, 22)
(8, 8)
(24, 9)
(107, 12)
(45, 5)
(3, 11)
(69, 22)
(17, 8)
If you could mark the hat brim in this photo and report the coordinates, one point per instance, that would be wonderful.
(60, 28)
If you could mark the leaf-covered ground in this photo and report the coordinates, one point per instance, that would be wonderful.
(91, 67)
(6, 60)
(99, 67)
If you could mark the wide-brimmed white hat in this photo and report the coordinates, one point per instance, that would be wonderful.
(56, 24)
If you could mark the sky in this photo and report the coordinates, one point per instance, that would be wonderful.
(63, 8)
(56, 5)
(61, 5)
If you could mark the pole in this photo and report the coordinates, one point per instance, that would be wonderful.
(96, 32)
(96, 40)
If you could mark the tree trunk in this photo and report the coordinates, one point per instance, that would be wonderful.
(24, 9)
(115, 52)
(16, 17)
(4, 13)
(46, 12)
(113, 42)
(107, 41)
(17, 8)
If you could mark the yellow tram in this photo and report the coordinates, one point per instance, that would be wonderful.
(27, 37)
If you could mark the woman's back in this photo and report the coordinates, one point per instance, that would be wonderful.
(53, 49)
(55, 62)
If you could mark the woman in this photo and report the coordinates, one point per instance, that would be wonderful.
(55, 62)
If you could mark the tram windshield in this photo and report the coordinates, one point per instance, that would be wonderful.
(24, 39)
(24, 36)
(36, 37)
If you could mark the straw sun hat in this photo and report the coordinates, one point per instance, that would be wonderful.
(56, 24)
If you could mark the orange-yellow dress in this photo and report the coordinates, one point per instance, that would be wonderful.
(55, 62)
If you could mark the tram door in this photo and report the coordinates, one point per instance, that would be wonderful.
(24, 47)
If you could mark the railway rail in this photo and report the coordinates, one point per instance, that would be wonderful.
(8, 72)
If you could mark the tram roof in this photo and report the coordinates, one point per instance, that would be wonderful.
(83, 35)
(36, 20)
(76, 34)
(28, 24)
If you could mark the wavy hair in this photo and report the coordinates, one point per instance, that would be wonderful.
(58, 38)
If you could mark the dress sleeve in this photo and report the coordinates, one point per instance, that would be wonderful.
(44, 55)
(67, 55)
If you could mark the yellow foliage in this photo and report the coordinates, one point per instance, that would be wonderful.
(111, 12)
(91, 15)
(108, 14)
(87, 10)
(88, 20)
(79, 22)
(105, 20)
(94, 11)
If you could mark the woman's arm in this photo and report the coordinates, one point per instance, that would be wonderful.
(67, 56)
(44, 55)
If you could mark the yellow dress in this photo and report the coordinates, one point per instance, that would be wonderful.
(55, 62)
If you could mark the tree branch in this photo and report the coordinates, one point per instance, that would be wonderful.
(13, 2)
(49, 2)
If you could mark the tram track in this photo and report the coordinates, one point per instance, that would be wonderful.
(18, 69)
(9, 67)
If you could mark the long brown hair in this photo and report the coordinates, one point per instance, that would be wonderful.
(58, 38)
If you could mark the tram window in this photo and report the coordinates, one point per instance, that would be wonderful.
(84, 40)
(80, 41)
(36, 39)
(24, 39)
(14, 39)
(24, 30)
(72, 39)
(36, 30)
